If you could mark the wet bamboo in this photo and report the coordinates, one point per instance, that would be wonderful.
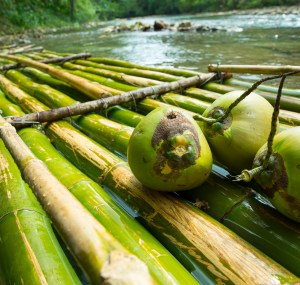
(62, 86)
(253, 69)
(89, 88)
(94, 248)
(106, 102)
(129, 232)
(200, 271)
(131, 71)
(185, 227)
(287, 103)
(94, 126)
(97, 162)
(29, 250)
(247, 215)
(123, 63)
(51, 60)
(271, 89)
(121, 77)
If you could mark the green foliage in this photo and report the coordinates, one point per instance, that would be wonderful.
(27, 14)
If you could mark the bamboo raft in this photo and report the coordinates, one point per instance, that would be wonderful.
(71, 210)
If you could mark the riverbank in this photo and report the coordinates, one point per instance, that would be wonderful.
(8, 37)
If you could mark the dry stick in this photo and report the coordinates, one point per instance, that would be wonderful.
(49, 60)
(254, 69)
(94, 248)
(103, 103)
(242, 97)
(247, 175)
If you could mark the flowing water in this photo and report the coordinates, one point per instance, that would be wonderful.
(251, 39)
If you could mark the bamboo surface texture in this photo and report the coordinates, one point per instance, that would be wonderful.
(30, 252)
(209, 250)
(129, 232)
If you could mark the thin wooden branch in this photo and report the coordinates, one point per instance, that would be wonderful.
(254, 69)
(49, 60)
(103, 103)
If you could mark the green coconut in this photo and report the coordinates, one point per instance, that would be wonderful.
(236, 140)
(280, 181)
(168, 152)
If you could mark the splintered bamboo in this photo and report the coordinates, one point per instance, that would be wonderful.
(29, 250)
(85, 86)
(94, 248)
(129, 232)
(185, 228)
(254, 69)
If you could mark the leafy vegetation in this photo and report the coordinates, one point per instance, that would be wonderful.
(18, 15)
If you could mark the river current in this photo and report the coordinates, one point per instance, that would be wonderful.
(251, 39)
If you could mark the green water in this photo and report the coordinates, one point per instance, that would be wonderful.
(253, 39)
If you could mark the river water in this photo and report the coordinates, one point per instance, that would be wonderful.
(251, 39)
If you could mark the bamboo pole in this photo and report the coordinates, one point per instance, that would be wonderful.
(271, 89)
(254, 69)
(62, 86)
(131, 71)
(92, 245)
(263, 244)
(188, 229)
(89, 88)
(129, 232)
(199, 271)
(96, 162)
(51, 60)
(123, 63)
(88, 107)
(121, 77)
(29, 250)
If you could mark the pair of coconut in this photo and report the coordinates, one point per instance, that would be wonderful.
(169, 152)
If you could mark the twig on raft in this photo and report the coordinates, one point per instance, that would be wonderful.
(103, 103)
(49, 60)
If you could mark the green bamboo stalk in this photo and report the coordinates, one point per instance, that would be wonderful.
(89, 88)
(199, 271)
(91, 195)
(287, 103)
(95, 249)
(184, 230)
(220, 195)
(160, 76)
(271, 89)
(30, 252)
(123, 63)
(121, 77)
(45, 78)
(100, 163)
(254, 69)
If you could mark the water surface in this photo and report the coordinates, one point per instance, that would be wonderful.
(254, 39)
